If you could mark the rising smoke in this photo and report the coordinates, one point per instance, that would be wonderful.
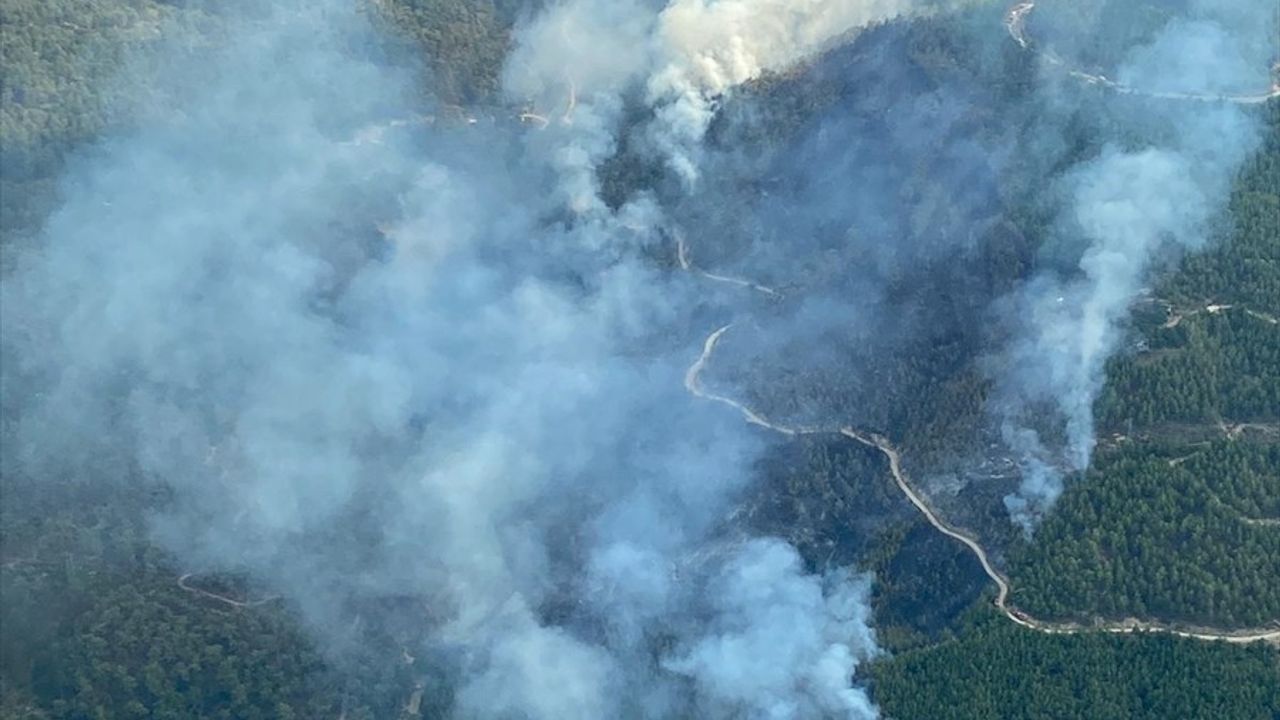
(1133, 207)
(708, 48)
(438, 364)
(477, 402)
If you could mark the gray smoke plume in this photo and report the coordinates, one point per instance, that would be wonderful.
(705, 49)
(376, 364)
(1131, 207)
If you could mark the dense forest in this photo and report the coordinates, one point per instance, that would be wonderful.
(1177, 520)
(994, 669)
(1243, 270)
(1174, 532)
(93, 621)
(96, 625)
(1208, 346)
(1174, 519)
(64, 86)
(132, 644)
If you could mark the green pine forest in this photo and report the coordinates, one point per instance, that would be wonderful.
(1178, 520)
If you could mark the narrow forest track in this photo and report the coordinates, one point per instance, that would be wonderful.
(682, 256)
(238, 604)
(1177, 315)
(692, 383)
(1260, 522)
(1264, 317)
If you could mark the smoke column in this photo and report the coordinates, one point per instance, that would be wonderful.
(705, 49)
(1131, 206)
(478, 405)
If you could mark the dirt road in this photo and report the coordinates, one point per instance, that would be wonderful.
(682, 256)
(1002, 583)
(693, 383)
(238, 604)
(1015, 23)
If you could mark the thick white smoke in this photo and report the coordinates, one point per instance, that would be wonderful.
(764, 656)
(686, 55)
(480, 407)
(707, 48)
(1131, 206)
(580, 57)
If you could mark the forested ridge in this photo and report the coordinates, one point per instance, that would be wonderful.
(132, 644)
(1174, 521)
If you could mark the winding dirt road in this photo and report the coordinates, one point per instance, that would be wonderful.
(1261, 522)
(693, 383)
(1016, 26)
(238, 604)
(682, 256)
(1015, 22)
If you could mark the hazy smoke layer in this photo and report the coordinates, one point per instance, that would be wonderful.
(433, 374)
(377, 371)
(1130, 206)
